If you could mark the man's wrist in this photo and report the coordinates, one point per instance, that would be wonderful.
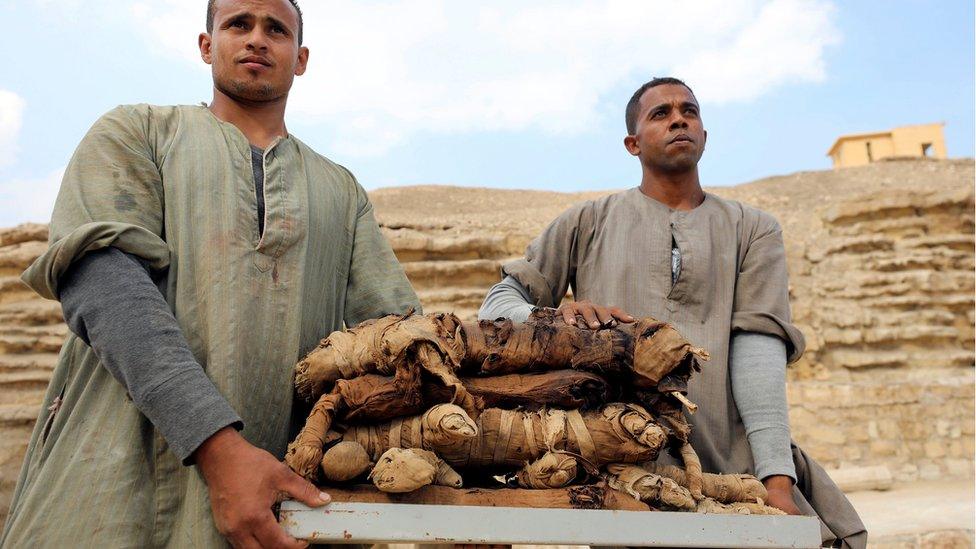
(778, 482)
(218, 444)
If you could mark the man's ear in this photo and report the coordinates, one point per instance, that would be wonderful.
(705, 140)
(205, 42)
(631, 144)
(302, 61)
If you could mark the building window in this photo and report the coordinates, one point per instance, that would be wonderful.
(870, 156)
(926, 149)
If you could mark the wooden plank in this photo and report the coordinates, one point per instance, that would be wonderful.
(579, 497)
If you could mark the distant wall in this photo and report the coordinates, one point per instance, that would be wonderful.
(901, 142)
(908, 140)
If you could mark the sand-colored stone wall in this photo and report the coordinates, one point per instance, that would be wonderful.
(917, 430)
(881, 261)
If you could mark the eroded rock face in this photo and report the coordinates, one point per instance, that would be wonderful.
(881, 262)
(31, 333)
(906, 294)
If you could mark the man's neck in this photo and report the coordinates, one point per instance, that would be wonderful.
(676, 190)
(261, 122)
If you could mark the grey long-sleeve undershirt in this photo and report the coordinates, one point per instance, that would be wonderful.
(112, 304)
(507, 299)
(757, 368)
(257, 166)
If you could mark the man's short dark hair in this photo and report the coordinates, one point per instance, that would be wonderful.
(633, 106)
(212, 9)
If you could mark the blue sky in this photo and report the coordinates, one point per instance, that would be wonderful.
(499, 95)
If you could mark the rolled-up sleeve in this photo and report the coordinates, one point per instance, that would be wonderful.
(111, 195)
(549, 266)
(762, 300)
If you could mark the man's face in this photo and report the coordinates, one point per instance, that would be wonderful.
(253, 49)
(669, 134)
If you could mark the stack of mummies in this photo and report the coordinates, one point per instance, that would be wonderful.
(406, 401)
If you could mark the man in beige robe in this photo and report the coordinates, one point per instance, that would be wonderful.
(716, 270)
(257, 247)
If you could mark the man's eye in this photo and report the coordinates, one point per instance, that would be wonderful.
(238, 24)
(277, 29)
(657, 114)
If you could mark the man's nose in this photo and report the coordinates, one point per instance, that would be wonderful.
(256, 40)
(678, 122)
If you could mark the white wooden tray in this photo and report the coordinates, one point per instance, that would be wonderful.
(415, 523)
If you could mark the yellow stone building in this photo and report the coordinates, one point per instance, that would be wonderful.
(859, 149)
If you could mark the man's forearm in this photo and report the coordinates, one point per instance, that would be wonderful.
(507, 299)
(757, 367)
(111, 303)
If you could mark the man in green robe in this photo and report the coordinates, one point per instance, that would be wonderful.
(254, 247)
(713, 268)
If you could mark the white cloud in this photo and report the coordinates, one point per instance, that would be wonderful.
(34, 199)
(59, 5)
(11, 118)
(784, 43)
(382, 71)
(172, 26)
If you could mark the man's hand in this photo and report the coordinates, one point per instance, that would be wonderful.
(595, 316)
(244, 482)
(780, 490)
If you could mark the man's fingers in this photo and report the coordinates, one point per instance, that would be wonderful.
(790, 507)
(297, 488)
(783, 501)
(270, 534)
(594, 316)
(569, 315)
(604, 316)
(787, 507)
(589, 315)
(621, 315)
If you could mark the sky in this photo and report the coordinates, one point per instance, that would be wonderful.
(504, 94)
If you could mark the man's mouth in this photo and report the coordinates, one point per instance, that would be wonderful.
(255, 62)
(683, 138)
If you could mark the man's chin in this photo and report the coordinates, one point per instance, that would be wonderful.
(678, 164)
(250, 91)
